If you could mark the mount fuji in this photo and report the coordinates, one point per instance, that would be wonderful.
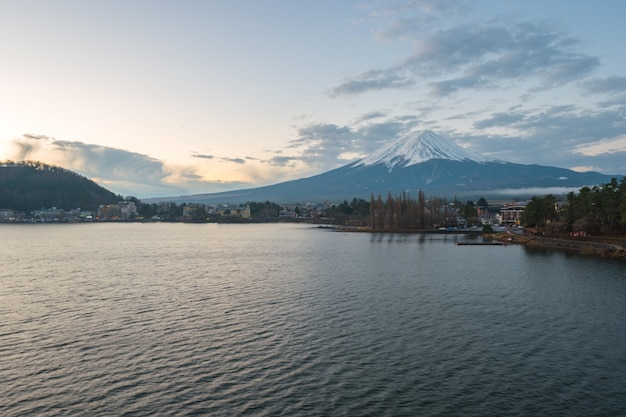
(417, 161)
(417, 148)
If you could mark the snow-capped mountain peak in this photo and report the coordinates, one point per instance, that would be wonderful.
(417, 147)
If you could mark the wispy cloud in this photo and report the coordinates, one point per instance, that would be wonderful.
(201, 156)
(99, 161)
(121, 171)
(239, 161)
(565, 136)
(283, 161)
(477, 56)
(373, 80)
(610, 85)
(431, 8)
(371, 116)
(564, 125)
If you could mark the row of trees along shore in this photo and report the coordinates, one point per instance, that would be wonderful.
(404, 212)
(598, 210)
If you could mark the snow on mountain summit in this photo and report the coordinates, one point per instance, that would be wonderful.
(414, 148)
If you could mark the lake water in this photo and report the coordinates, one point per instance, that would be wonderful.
(287, 319)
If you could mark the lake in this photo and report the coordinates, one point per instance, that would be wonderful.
(163, 319)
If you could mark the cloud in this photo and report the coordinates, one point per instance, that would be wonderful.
(566, 136)
(371, 116)
(534, 191)
(320, 145)
(448, 87)
(283, 161)
(610, 85)
(431, 7)
(541, 150)
(324, 146)
(121, 171)
(617, 145)
(202, 156)
(500, 120)
(492, 56)
(371, 81)
(403, 28)
(565, 126)
(97, 160)
(477, 56)
(612, 163)
(239, 161)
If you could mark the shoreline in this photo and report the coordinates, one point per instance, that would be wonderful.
(603, 249)
(597, 247)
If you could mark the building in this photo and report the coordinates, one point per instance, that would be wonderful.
(109, 212)
(241, 210)
(46, 215)
(7, 215)
(128, 210)
(124, 210)
(195, 211)
(512, 213)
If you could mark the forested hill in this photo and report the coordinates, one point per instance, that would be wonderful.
(29, 185)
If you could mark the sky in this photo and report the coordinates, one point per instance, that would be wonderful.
(154, 98)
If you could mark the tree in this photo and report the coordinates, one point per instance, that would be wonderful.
(608, 203)
(344, 207)
(622, 201)
(380, 212)
(539, 211)
(199, 213)
(469, 212)
(599, 209)
(389, 212)
(373, 213)
(579, 207)
(360, 207)
(263, 211)
(421, 209)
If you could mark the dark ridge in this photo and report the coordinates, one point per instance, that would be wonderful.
(29, 185)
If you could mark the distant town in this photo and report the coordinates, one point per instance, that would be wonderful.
(451, 214)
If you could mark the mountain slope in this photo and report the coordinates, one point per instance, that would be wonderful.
(415, 162)
(28, 186)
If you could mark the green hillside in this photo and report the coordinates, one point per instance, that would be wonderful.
(29, 185)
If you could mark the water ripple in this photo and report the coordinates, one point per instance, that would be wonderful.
(263, 321)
